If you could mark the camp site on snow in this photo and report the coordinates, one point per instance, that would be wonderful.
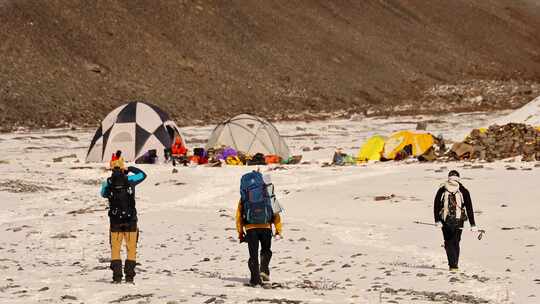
(145, 134)
(188, 179)
(270, 152)
(355, 200)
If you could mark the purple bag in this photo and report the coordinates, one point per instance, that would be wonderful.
(226, 153)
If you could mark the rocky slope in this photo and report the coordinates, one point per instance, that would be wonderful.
(73, 61)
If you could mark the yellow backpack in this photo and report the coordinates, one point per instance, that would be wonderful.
(233, 161)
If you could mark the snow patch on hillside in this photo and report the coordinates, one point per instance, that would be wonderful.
(528, 114)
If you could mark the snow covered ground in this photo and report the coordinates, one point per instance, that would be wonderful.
(528, 114)
(340, 244)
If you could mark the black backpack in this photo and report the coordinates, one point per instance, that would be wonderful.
(121, 199)
(257, 159)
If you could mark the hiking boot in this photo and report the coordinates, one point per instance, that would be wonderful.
(265, 277)
(454, 269)
(116, 267)
(255, 283)
(129, 270)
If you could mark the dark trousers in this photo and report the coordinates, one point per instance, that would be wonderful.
(452, 237)
(253, 238)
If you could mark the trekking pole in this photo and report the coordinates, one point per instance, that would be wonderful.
(424, 223)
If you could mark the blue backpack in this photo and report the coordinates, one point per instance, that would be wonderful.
(256, 202)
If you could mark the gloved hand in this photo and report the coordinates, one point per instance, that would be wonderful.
(242, 237)
(438, 224)
(474, 229)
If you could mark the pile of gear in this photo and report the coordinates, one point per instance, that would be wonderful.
(233, 157)
(499, 142)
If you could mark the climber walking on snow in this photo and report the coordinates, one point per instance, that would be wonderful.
(451, 208)
(254, 218)
(120, 190)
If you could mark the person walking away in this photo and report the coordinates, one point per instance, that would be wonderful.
(120, 190)
(254, 220)
(452, 207)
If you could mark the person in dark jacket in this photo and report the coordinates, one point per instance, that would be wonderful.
(254, 234)
(120, 190)
(451, 208)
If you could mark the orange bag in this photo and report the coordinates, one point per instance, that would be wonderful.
(272, 159)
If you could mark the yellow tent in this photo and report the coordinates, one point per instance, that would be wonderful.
(372, 149)
(420, 143)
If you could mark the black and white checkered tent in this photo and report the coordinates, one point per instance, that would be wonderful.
(249, 134)
(132, 128)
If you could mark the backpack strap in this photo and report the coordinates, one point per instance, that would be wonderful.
(444, 210)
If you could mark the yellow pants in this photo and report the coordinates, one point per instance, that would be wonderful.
(130, 238)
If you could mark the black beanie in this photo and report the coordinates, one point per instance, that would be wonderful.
(453, 173)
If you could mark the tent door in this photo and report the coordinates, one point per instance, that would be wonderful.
(172, 133)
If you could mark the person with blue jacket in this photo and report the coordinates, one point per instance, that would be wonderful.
(120, 190)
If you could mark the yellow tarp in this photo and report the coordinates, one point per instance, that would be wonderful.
(420, 142)
(372, 149)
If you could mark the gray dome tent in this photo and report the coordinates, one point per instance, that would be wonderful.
(132, 128)
(249, 134)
